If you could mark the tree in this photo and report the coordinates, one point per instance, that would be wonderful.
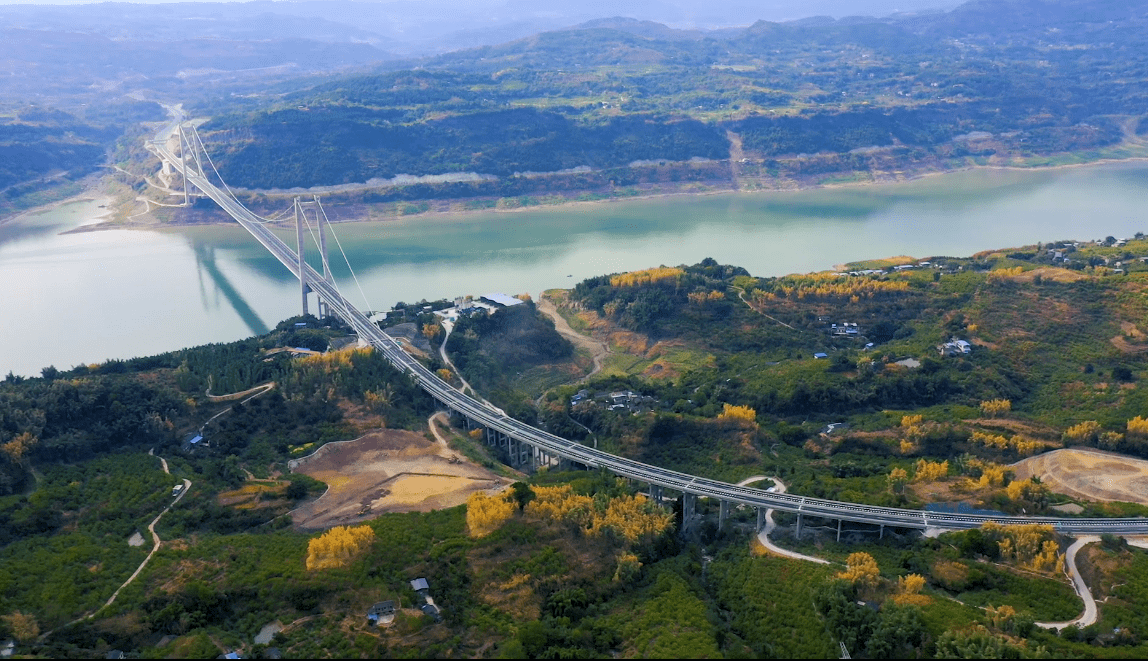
(861, 569)
(1085, 432)
(738, 413)
(338, 547)
(897, 479)
(995, 407)
(485, 514)
(522, 494)
(24, 628)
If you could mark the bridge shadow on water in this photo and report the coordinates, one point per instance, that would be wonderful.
(205, 260)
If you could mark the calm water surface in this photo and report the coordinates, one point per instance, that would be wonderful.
(87, 297)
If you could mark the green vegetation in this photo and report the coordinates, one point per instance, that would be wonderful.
(494, 350)
(543, 582)
(806, 101)
(44, 151)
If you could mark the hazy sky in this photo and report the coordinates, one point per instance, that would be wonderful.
(875, 7)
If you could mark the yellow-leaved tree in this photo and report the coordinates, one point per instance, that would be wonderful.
(646, 276)
(632, 517)
(1138, 426)
(19, 446)
(338, 547)
(861, 569)
(930, 470)
(1084, 432)
(24, 628)
(909, 590)
(994, 407)
(897, 479)
(1030, 546)
(484, 514)
(738, 413)
(628, 568)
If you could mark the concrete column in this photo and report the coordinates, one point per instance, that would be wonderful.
(839, 530)
(760, 519)
(723, 513)
(322, 244)
(882, 532)
(299, 242)
(800, 520)
(689, 507)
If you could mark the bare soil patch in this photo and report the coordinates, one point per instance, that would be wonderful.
(1121, 342)
(1089, 474)
(388, 470)
(1050, 273)
(1015, 426)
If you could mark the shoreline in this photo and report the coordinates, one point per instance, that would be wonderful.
(92, 192)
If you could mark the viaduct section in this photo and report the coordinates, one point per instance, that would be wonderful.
(527, 446)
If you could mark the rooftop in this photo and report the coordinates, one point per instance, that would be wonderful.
(501, 299)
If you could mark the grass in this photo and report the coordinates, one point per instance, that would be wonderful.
(475, 451)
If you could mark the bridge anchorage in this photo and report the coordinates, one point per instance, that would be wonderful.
(527, 446)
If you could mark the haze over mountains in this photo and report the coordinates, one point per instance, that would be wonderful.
(413, 27)
(373, 86)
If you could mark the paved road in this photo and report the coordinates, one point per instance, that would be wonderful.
(770, 525)
(495, 420)
(1089, 615)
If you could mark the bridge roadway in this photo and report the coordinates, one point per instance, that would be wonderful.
(592, 458)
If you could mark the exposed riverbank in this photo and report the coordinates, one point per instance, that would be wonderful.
(129, 215)
(186, 286)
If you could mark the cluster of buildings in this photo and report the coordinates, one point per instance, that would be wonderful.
(383, 613)
(622, 400)
(955, 347)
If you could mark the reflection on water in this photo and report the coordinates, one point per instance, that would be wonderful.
(205, 260)
(86, 297)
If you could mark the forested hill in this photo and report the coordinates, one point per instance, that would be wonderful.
(993, 81)
(42, 147)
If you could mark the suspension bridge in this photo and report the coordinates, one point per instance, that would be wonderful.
(525, 445)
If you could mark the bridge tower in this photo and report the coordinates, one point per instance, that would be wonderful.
(299, 245)
(300, 222)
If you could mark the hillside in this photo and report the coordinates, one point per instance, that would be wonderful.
(781, 104)
(715, 373)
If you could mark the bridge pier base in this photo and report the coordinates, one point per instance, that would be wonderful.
(656, 494)
(689, 508)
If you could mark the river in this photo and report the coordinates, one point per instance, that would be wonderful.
(86, 297)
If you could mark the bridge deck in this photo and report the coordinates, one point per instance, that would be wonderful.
(555, 445)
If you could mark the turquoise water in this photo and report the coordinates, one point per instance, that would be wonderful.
(85, 297)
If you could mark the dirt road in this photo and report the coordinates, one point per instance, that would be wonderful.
(596, 348)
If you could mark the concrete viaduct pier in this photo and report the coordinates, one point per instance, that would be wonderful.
(528, 446)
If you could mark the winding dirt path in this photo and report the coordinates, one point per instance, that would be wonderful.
(447, 328)
(598, 349)
(155, 547)
(763, 536)
(741, 295)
